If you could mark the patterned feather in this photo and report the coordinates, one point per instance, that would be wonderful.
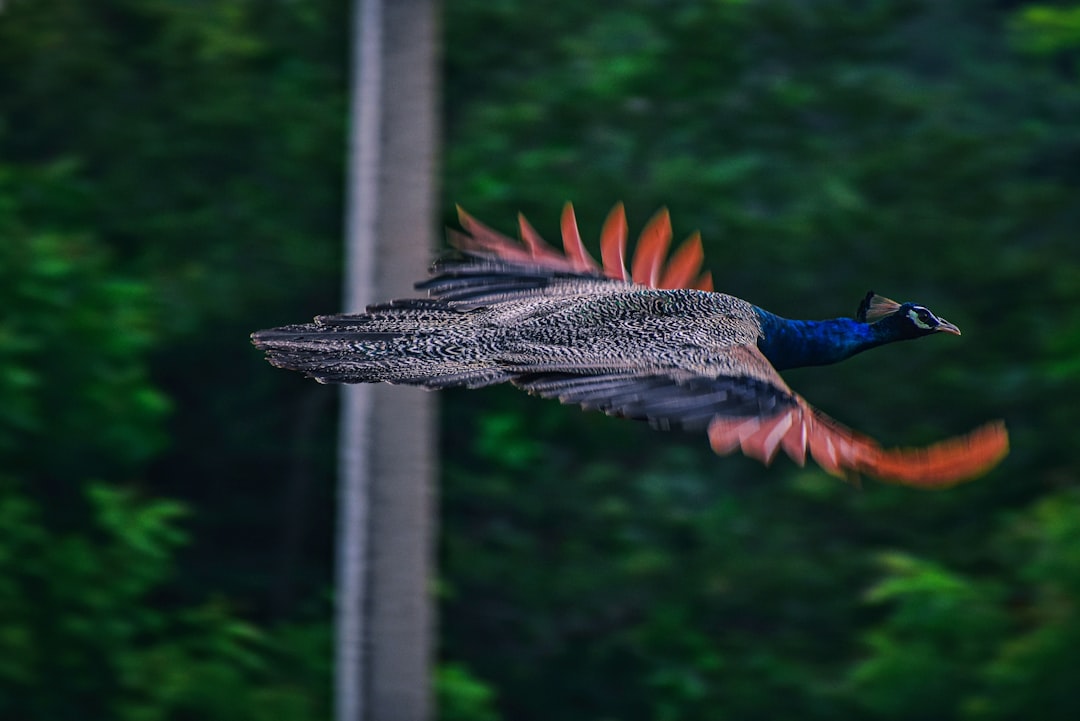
(649, 342)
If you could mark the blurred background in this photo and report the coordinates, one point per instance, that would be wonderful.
(171, 178)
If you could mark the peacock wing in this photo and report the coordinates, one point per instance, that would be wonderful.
(650, 265)
(665, 399)
(803, 430)
(799, 430)
(752, 409)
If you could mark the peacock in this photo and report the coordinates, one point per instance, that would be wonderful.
(651, 342)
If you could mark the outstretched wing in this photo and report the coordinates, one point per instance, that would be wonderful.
(757, 413)
(495, 267)
(750, 409)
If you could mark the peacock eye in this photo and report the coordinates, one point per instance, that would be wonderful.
(922, 317)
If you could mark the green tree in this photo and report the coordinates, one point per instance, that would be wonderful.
(171, 177)
(83, 631)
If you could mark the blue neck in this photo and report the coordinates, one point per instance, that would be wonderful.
(795, 343)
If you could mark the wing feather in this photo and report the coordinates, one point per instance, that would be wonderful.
(685, 265)
(650, 262)
(572, 245)
(652, 250)
(495, 267)
(537, 246)
(802, 431)
(754, 412)
(613, 243)
(665, 400)
(758, 414)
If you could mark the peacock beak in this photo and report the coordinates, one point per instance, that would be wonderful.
(945, 326)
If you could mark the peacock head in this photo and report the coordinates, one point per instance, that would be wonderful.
(905, 320)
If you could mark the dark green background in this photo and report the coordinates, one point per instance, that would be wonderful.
(171, 179)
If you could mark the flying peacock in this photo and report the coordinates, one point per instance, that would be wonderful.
(653, 342)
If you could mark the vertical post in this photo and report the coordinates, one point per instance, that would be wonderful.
(384, 611)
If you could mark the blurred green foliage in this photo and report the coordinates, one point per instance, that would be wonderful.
(82, 634)
(60, 294)
(170, 179)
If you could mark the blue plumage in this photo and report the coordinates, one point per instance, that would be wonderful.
(797, 343)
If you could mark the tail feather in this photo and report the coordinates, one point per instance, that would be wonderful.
(421, 342)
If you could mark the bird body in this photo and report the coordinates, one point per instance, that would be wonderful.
(653, 343)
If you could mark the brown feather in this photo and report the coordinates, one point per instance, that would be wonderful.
(704, 282)
(842, 452)
(480, 238)
(650, 262)
(685, 264)
(652, 249)
(942, 464)
(880, 307)
(802, 429)
(613, 243)
(574, 248)
(537, 246)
